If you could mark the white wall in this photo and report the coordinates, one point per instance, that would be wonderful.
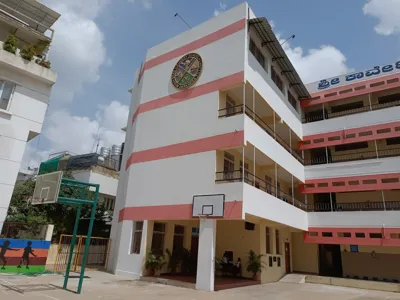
(262, 82)
(354, 219)
(206, 28)
(108, 184)
(24, 117)
(187, 121)
(354, 168)
(387, 115)
(176, 180)
(261, 204)
(265, 143)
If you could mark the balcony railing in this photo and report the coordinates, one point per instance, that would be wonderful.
(251, 179)
(319, 117)
(238, 109)
(352, 157)
(355, 206)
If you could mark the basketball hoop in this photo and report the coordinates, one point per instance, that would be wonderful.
(203, 216)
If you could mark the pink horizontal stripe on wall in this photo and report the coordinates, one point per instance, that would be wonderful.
(342, 184)
(390, 130)
(190, 93)
(222, 141)
(232, 210)
(386, 239)
(201, 42)
(326, 95)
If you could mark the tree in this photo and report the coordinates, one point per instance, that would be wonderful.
(61, 216)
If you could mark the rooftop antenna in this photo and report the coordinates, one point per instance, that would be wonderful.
(178, 15)
(291, 37)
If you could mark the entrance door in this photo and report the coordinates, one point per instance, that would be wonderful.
(287, 257)
(194, 249)
(330, 260)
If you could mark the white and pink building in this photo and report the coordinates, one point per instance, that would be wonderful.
(308, 175)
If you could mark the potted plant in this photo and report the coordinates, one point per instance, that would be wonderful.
(254, 264)
(11, 43)
(44, 63)
(174, 260)
(154, 263)
(28, 52)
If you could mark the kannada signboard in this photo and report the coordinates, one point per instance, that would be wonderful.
(350, 78)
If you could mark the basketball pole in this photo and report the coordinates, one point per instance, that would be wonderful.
(89, 236)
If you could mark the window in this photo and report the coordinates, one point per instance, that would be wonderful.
(6, 90)
(157, 244)
(249, 226)
(179, 233)
(353, 146)
(393, 141)
(389, 98)
(109, 203)
(292, 100)
(230, 105)
(275, 78)
(277, 242)
(136, 237)
(346, 107)
(268, 240)
(257, 53)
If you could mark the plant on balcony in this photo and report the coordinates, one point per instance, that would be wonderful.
(11, 43)
(44, 63)
(41, 46)
(255, 264)
(28, 52)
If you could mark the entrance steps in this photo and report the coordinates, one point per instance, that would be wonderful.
(293, 278)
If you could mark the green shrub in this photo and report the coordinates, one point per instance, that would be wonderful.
(28, 52)
(11, 43)
(44, 63)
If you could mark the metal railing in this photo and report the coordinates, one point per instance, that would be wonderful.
(352, 157)
(238, 109)
(251, 179)
(319, 117)
(355, 206)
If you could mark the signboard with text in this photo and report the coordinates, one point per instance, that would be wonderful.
(354, 77)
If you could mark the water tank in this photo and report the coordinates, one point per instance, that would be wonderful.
(105, 152)
(116, 150)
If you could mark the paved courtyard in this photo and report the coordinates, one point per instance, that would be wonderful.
(103, 286)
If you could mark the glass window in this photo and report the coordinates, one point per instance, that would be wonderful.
(275, 78)
(268, 240)
(257, 54)
(292, 100)
(136, 237)
(277, 242)
(157, 243)
(6, 90)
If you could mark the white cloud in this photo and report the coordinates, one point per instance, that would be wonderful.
(147, 4)
(316, 64)
(222, 8)
(79, 134)
(78, 50)
(388, 14)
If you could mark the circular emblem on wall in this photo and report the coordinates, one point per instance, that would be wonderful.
(187, 71)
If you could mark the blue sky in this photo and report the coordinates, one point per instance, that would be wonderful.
(99, 44)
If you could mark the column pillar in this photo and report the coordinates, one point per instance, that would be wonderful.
(274, 126)
(276, 180)
(330, 198)
(383, 199)
(292, 190)
(376, 149)
(206, 255)
(254, 165)
(369, 100)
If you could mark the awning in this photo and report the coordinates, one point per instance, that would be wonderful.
(270, 41)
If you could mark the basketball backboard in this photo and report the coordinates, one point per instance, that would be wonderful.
(47, 188)
(208, 205)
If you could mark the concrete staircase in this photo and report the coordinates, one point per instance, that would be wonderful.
(293, 278)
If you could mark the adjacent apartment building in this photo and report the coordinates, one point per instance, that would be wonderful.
(25, 84)
(221, 125)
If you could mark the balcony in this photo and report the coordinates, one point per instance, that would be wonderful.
(253, 180)
(354, 206)
(352, 157)
(351, 106)
(238, 109)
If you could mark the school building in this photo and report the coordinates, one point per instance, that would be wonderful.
(221, 125)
